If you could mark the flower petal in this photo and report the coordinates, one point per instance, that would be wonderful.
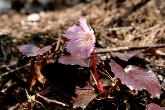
(84, 25)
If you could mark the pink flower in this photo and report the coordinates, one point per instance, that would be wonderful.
(81, 40)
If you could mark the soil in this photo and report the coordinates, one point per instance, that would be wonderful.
(116, 23)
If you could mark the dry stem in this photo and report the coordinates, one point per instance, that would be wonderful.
(107, 50)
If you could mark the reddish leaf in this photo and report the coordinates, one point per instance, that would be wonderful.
(85, 96)
(28, 50)
(32, 50)
(126, 56)
(137, 78)
(43, 50)
(153, 106)
(72, 60)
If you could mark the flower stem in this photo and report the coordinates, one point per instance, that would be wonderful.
(99, 85)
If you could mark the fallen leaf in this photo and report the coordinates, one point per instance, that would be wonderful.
(137, 78)
(35, 75)
(28, 49)
(85, 96)
(40, 77)
(126, 56)
(32, 50)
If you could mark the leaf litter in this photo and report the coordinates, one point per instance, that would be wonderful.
(61, 80)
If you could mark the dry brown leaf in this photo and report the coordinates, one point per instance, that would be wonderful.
(35, 75)
(40, 77)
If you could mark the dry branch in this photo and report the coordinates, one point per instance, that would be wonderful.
(107, 50)
(51, 100)
(13, 70)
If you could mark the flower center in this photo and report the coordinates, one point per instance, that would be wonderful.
(89, 38)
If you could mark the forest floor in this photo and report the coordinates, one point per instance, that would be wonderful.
(121, 26)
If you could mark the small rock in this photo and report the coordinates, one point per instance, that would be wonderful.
(33, 17)
(160, 77)
(103, 57)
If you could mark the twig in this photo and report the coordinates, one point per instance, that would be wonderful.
(120, 28)
(32, 98)
(107, 50)
(5, 66)
(11, 71)
(51, 101)
(4, 53)
(94, 79)
(58, 41)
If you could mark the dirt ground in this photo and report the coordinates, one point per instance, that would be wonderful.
(117, 23)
